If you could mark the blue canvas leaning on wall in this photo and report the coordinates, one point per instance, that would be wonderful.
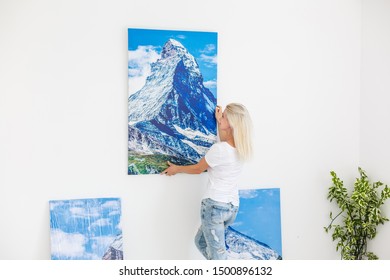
(172, 95)
(86, 229)
(256, 232)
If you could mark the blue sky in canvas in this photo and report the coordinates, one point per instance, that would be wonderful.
(144, 46)
(83, 228)
(259, 216)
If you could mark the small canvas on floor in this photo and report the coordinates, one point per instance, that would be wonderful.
(256, 232)
(86, 229)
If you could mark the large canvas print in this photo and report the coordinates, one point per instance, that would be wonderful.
(172, 95)
(86, 229)
(256, 232)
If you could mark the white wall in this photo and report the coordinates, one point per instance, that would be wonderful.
(375, 104)
(63, 108)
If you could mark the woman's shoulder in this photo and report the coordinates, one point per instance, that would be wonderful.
(216, 147)
(222, 146)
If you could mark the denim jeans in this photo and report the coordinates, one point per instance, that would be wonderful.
(216, 217)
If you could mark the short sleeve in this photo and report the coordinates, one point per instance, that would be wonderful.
(214, 155)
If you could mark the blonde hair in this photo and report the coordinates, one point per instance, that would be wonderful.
(241, 124)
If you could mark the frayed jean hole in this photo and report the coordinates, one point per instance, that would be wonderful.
(214, 235)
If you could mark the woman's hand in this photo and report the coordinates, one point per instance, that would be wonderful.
(171, 170)
(218, 114)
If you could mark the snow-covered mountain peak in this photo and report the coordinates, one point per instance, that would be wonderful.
(241, 246)
(172, 48)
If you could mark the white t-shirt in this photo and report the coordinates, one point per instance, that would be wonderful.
(224, 171)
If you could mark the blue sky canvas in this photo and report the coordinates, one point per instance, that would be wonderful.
(256, 232)
(86, 229)
(172, 95)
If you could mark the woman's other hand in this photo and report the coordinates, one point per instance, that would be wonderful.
(171, 170)
(218, 113)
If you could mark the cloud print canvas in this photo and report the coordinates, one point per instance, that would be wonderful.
(172, 95)
(86, 229)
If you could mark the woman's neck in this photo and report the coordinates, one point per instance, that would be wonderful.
(227, 136)
(231, 142)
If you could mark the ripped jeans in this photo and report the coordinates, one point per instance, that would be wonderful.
(216, 217)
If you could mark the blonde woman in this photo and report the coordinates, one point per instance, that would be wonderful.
(224, 162)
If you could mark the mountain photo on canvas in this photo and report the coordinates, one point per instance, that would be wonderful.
(171, 98)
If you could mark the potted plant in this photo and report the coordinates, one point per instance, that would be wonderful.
(360, 214)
